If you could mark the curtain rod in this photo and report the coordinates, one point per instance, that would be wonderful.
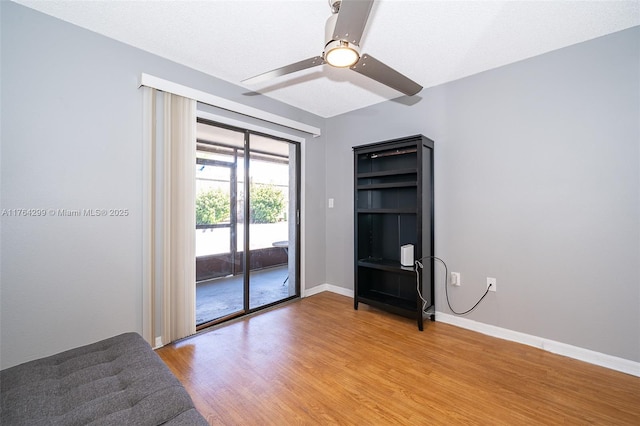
(226, 104)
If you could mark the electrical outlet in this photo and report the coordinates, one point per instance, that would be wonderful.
(491, 282)
(455, 279)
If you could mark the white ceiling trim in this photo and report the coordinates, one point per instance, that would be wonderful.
(158, 83)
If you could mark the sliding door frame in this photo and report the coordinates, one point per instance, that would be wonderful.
(246, 256)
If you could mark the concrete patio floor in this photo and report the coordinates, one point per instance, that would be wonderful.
(224, 296)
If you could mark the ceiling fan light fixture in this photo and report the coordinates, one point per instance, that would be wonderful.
(341, 53)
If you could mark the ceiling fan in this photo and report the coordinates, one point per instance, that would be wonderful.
(343, 31)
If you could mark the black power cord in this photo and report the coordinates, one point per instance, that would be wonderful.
(446, 292)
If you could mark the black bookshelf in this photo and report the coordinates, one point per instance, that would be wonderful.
(393, 199)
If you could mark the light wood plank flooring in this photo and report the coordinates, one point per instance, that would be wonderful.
(318, 361)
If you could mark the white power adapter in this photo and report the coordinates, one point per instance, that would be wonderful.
(406, 255)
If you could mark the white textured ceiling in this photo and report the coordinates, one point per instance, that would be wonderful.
(431, 42)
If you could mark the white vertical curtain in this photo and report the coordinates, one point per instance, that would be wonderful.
(169, 266)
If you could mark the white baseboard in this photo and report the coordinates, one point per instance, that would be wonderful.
(586, 355)
(159, 343)
(327, 287)
(575, 352)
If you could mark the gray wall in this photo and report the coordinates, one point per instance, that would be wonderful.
(72, 139)
(537, 184)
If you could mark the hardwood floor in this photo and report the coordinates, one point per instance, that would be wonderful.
(318, 361)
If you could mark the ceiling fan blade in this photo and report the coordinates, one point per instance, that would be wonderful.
(288, 69)
(352, 18)
(376, 70)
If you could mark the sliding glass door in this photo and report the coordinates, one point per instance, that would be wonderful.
(273, 220)
(247, 196)
(218, 294)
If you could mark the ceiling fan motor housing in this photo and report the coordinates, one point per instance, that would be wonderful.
(338, 52)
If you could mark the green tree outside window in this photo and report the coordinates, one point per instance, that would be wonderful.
(212, 206)
(267, 203)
